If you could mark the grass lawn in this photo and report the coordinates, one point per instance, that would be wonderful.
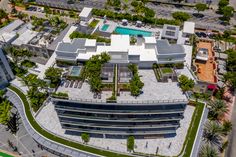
(5, 155)
(192, 131)
(94, 23)
(55, 138)
(166, 70)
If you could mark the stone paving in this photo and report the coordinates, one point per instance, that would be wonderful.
(49, 120)
(154, 90)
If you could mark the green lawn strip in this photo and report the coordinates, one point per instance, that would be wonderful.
(193, 129)
(5, 155)
(55, 138)
(94, 23)
(166, 70)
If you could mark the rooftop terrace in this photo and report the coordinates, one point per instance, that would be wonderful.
(152, 91)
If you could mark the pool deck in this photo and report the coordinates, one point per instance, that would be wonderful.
(131, 25)
(206, 71)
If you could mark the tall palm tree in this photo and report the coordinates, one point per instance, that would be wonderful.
(217, 110)
(208, 151)
(212, 134)
(5, 112)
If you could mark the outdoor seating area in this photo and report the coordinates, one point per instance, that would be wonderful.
(206, 65)
(124, 74)
(71, 84)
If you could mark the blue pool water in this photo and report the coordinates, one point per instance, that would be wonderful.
(75, 71)
(132, 32)
(105, 27)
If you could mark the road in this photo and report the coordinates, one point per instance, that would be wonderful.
(231, 151)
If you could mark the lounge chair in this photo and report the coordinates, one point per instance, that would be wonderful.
(76, 84)
(71, 84)
(67, 83)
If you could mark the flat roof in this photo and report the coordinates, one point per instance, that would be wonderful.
(90, 42)
(150, 40)
(120, 42)
(73, 46)
(25, 37)
(189, 27)
(163, 47)
(6, 37)
(12, 26)
(85, 12)
(170, 31)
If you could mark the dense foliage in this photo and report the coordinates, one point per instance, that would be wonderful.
(93, 70)
(181, 16)
(145, 19)
(186, 84)
(54, 75)
(85, 137)
(136, 84)
(5, 112)
(130, 143)
(77, 34)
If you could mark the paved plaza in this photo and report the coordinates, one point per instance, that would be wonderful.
(48, 119)
(25, 144)
(153, 90)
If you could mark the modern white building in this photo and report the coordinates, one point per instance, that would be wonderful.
(188, 28)
(147, 51)
(86, 14)
(5, 71)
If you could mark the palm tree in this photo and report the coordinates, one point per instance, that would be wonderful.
(217, 109)
(212, 134)
(226, 127)
(208, 151)
(5, 112)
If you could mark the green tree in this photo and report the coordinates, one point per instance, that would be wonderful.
(181, 16)
(226, 127)
(130, 143)
(200, 7)
(228, 12)
(222, 4)
(36, 98)
(85, 137)
(208, 151)
(230, 78)
(186, 84)
(54, 75)
(5, 112)
(231, 61)
(212, 134)
(3, 15)
(217, 109)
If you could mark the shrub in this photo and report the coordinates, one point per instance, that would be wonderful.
(85, 137)
(130, 143)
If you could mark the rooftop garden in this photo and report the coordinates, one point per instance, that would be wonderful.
(77, 34)
(136, 84)
(92, 71)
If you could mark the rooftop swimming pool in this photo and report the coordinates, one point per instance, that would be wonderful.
(75, 71)
(132, 32)
(105, 27)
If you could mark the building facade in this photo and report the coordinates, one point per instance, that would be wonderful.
(120, 119)
(5, 71)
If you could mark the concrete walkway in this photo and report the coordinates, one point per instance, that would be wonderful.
(51, 145)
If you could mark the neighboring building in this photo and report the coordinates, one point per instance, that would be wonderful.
(86, 14)
(170, 32)
(9, 32)
(148, 51)
(202, 54)
(188, 28)
(5, 71)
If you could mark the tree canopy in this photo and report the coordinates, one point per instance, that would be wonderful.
(130, 143)
(5, 112)
(200, 7)
(181, 16)
(85, 137)
(186, 84)
(54, 75)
